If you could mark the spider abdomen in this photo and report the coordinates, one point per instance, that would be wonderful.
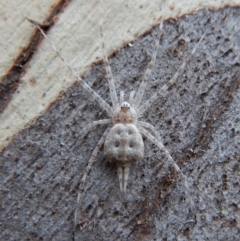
(124, 144)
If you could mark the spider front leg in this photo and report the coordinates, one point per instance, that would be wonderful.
(148, 71)
(171, 82)
(85, 86)
(112, 88)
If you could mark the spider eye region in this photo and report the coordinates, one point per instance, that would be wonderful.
(125, 105)
(124, 144)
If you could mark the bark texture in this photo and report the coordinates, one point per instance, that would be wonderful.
(198, 119)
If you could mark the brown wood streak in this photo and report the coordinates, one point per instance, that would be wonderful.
(226, 96)
(10, 81)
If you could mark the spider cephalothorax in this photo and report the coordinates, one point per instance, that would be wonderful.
(125, 114)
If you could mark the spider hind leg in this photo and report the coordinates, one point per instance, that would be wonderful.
(159, 144)
(123, 173)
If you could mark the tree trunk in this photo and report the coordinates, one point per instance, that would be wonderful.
(198, 119)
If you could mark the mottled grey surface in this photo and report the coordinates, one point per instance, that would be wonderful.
(198, 119)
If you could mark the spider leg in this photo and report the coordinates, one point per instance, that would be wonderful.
(148, 71)
(131, 100)
(95, 96)
(112, 89)
(121, 97)
(167, 154)
(91, 126)
(123, 173)
(88, 168)
(151, 127)
(170, 83)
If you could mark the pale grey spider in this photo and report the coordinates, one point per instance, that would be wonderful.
(122, 141)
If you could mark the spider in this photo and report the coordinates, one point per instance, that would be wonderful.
(122, 139)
